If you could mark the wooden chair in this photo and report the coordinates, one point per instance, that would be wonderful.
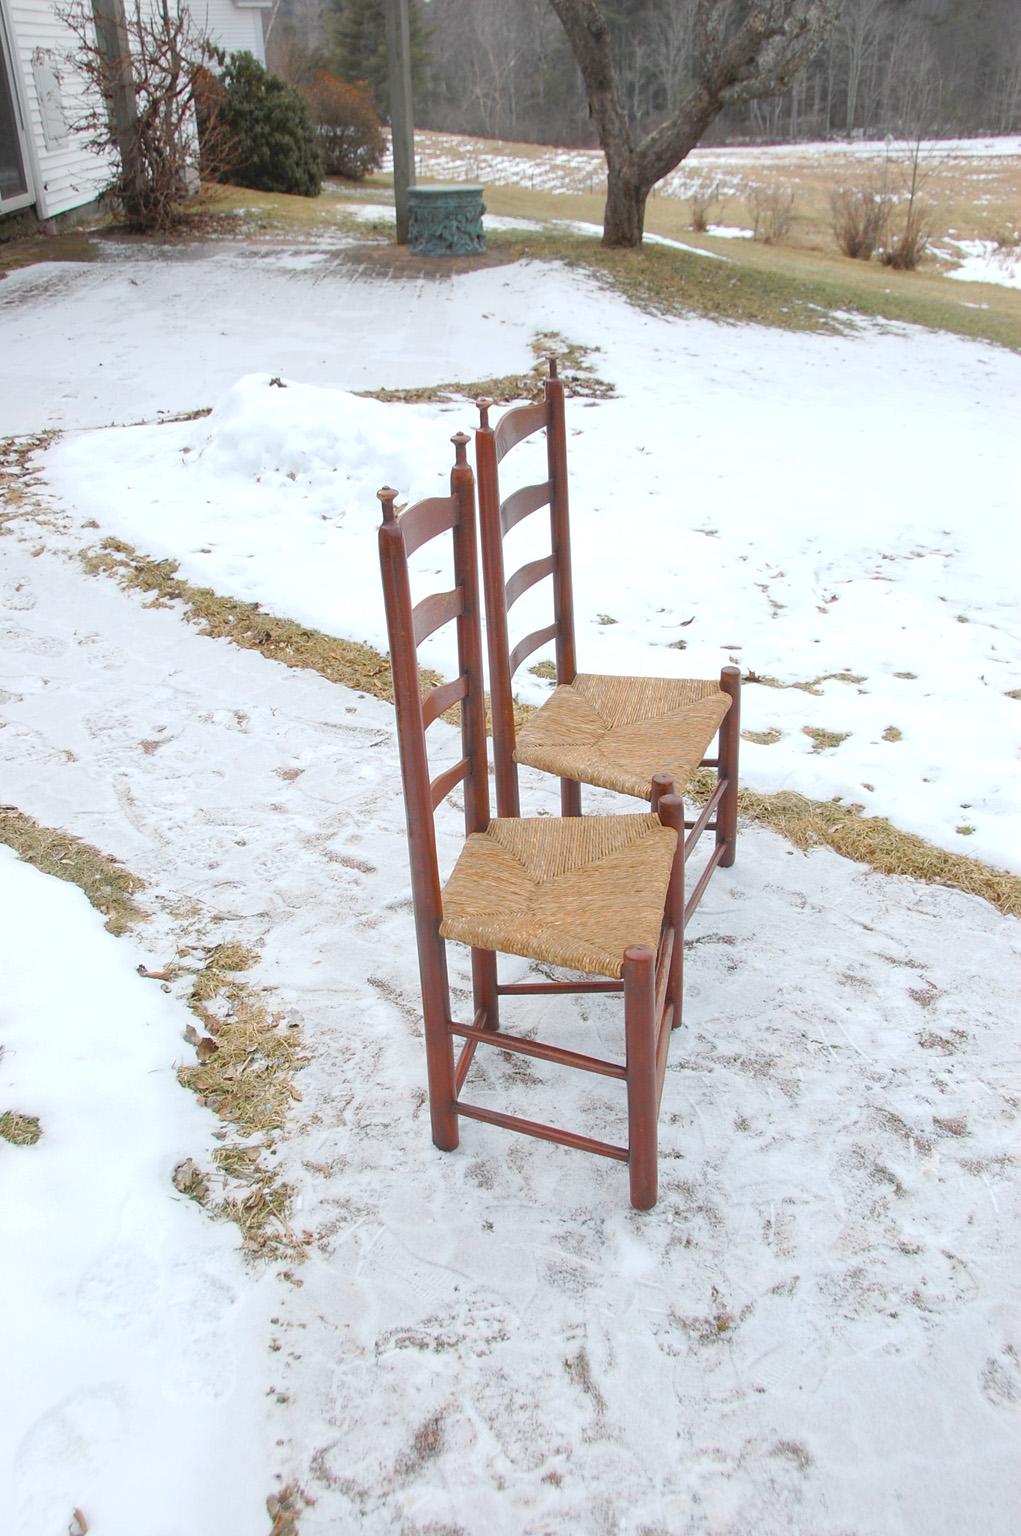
(618, 732)
(603, 895)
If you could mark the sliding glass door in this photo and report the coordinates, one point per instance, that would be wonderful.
(14, 188)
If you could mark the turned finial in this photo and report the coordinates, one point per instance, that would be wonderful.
(388, 496)
(484, 407)
(460, 441)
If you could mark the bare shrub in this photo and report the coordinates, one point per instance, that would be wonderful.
(861, 216)
(703, 196)
(772, 210)
(351, 136)
(139, 104)
(905, 246)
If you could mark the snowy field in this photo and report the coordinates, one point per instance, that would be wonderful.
(817, 1329)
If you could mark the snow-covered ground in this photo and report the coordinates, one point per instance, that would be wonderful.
(821, 508)
(816, 1330)
(983, 261)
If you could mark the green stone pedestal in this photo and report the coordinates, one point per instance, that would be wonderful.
(446, 220)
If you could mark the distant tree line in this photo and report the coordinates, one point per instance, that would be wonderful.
(503, 68)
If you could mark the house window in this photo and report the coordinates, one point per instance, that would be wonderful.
(13, 182)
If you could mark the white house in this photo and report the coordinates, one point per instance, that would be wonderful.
(42, 163)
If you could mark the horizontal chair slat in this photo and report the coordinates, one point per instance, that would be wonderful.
(445, 782)
(527, 576)
(529, 644)
(426, 519)
(441, 698)
(439, 608)
(516, 424)
(543, 1132)
(538, 1048)
(520, 504)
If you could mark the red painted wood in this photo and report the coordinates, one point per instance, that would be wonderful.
(426, 519)
(543, 1132)
(518, 423)
(555, 1053)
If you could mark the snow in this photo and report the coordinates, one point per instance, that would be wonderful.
(734, 460)
(816, 1329)
(131, 1333)
(983, 261)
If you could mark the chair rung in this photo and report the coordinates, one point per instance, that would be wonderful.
(538, 988)
(703, 881)
(441, 698)
(520, 422)
(554, 1053)
(426, 519)
(542, 1132)
(436, 609)
(527, 577)
(700, 823)
(445, 782)
(529, 644)
(522, 503)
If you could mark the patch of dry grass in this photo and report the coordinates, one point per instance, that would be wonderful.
(247, 625)
(822, 739)
(870, 840)
(762, 738)
(17, 478)
(575, 370)
(19, 1130)
(109, 886)
(247, 1061)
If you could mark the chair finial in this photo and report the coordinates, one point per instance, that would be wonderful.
(551, 358)
(388, 496)
(460, 441)
(484, 406)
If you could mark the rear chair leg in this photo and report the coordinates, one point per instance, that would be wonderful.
(439, 1056)
(730, 737)
(640, 1038)
(570, 797)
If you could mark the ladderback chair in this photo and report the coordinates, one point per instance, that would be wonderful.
(617, 732)
(603, 895)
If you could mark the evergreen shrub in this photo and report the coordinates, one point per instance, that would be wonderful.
(273, 141)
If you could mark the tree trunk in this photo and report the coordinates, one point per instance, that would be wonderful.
(624, 218)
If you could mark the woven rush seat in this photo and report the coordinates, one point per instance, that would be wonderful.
(572, 893)
(619, 731)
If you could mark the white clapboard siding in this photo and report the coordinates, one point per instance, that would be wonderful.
(236, 28)
(66, 173)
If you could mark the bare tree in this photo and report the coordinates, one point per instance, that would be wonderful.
(745, 50)
(143, 76)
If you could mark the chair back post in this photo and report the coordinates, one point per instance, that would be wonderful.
(425, 879)
(560, 529)
(501, 695)
(469, 641)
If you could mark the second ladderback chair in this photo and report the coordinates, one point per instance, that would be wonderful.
(604, 895)
(617, 732)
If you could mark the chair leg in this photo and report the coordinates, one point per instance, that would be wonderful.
(640, 1038)
(730, 737)
(570, 797)
(670, 807)
(439, 1050)
(484, 986)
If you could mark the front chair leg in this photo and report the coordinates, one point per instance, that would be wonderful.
(640, 1040)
